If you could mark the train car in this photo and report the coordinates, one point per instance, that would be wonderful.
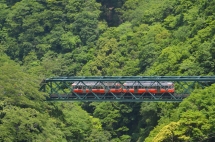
(96, 87)
(134, 87)
(140, 87)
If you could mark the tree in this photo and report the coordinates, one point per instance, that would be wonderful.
(194, 121)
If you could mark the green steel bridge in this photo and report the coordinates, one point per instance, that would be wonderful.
(61, 89)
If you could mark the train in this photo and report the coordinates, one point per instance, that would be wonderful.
(134, 87)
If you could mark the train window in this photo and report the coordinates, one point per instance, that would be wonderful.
(79, 87)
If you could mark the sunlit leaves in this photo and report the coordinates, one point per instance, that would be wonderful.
(80, 126)
(195, 119)
(169, 61)
(167, 133)
(21, 124)
(19, 88)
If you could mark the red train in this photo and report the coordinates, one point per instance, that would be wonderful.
(133, 87)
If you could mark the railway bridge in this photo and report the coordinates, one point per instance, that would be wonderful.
(96, 88)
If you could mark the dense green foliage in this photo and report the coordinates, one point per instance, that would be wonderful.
(43, 38)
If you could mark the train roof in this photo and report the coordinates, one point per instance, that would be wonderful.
(127, 83)
(106, 83)
(147, 83)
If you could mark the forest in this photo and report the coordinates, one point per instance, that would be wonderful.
(49, 38)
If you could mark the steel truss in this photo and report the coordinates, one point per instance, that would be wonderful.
(60, 88)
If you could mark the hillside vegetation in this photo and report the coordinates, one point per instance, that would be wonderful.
(44, 38)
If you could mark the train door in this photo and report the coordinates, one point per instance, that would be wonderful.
(158, 88)
(106, 89)
(135, 89)
(84, 89)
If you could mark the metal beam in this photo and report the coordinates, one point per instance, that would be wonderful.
(112, 100)
(132, 78)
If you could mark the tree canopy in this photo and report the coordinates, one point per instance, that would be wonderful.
(45, 38)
